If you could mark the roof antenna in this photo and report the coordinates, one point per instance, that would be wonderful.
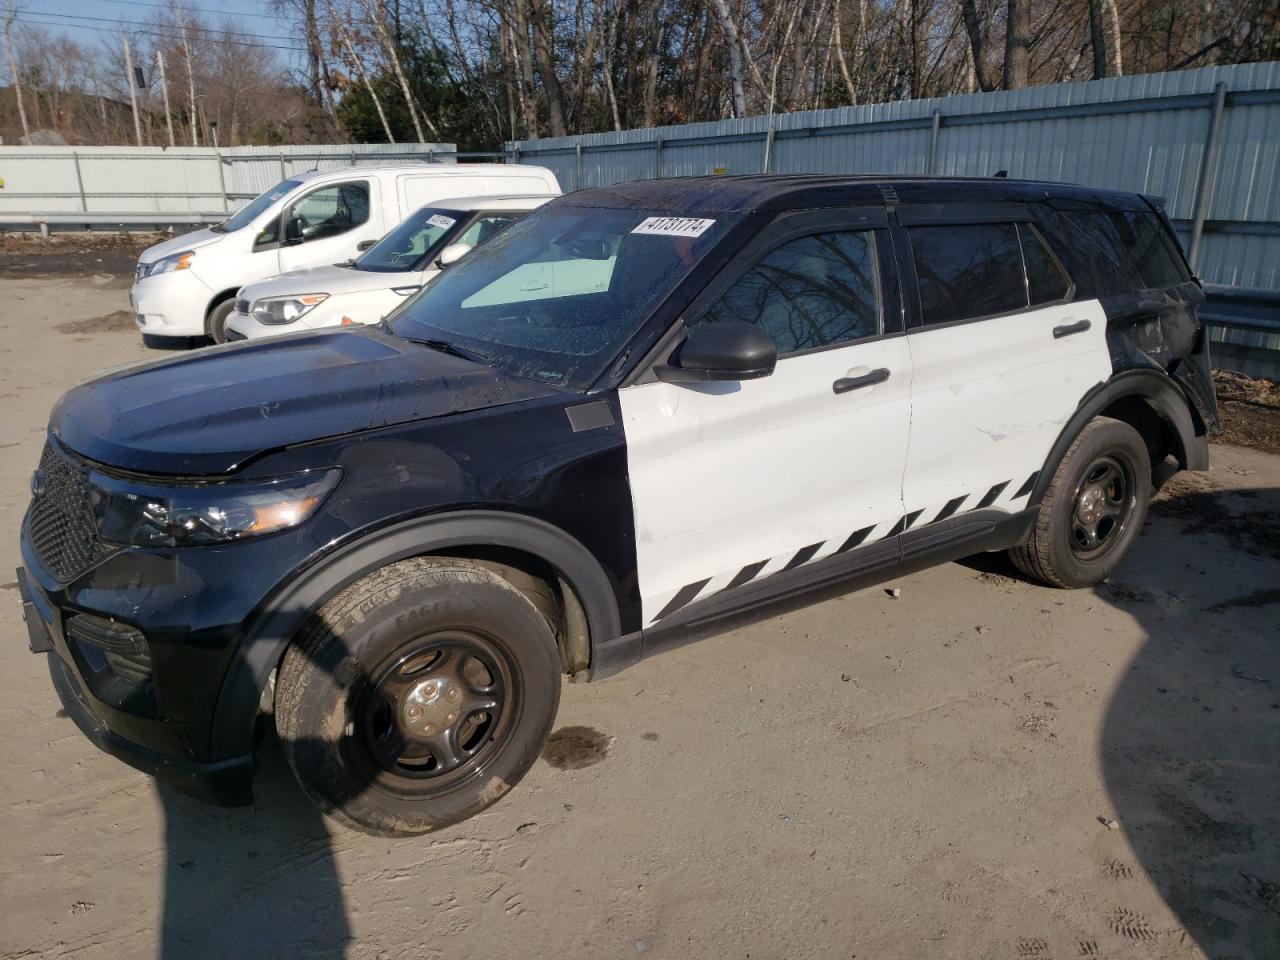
(1002, 174)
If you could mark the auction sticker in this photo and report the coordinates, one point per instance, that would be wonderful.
(440, 220)
(673, 226)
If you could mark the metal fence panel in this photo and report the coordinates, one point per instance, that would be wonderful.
(1148, 134)
(42, 182)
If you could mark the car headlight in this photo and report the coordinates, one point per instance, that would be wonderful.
(171, 515)
(285, 309)
(176, 261)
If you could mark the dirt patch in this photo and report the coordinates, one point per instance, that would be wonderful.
(572, 748)
(1249, 519)
(1250, 410)
(72, 254)
(118, 321)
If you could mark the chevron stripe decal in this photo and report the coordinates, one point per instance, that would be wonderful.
(865, 536)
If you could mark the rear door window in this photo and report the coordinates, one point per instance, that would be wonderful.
(1046, 280)
(968, 271)
(812, 292)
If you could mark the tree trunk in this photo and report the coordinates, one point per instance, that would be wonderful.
(973, 26)
(1098, 39)
(192, 117)
(730, 31)
(1113, 16)
(546, 64)
(524, 60)
(164, 89)
(1015, 44)
(610, 44)
(13, 71)
(358, 66)
(849, 87)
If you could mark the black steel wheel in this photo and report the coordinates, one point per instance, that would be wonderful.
(1093, 509)
(418, 696)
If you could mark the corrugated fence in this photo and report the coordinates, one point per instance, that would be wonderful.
(1206, 140)
(102, 185)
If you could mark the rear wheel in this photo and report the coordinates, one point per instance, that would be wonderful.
(1093, 509)
(418, 696)
(216, 322)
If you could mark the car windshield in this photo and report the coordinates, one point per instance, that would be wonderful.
(411, 242)
(258, 205)
(556, 295)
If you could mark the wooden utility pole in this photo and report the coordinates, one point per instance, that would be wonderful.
(164, 88)
(133, 92)
(13, 70)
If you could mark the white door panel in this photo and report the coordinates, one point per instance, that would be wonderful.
(731, 479)
(990, 398)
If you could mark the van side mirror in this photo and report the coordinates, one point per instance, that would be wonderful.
(452, 254)
(728, 350)
(364, 245)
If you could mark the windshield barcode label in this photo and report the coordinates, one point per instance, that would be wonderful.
(439, 220)
(673, 226)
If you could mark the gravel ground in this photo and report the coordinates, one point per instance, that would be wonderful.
(978, 768)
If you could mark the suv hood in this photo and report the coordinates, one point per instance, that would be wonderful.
(210, 411)
(333, 280)
(188, 241)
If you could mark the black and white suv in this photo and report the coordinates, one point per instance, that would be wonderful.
(642, 410)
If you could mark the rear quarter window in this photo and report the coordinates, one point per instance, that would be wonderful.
(1131, 248)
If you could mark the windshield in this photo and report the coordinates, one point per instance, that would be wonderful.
(258, 205)
(555, 296)
(407, 244)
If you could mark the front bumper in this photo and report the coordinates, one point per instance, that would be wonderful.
(170, 304)
(225, 782)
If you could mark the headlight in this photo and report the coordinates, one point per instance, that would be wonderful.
(168, 515)
(286, 309)
(177, 261)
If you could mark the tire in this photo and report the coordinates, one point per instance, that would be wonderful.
(1060, 551)
(357, 694)
(216, 322)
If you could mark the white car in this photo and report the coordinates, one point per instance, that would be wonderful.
(366, 289)
(186, 287)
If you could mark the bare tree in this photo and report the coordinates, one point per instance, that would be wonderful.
(1016, 35)
(13, 70)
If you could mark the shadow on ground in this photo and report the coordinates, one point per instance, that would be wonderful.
(1191, 741)
(251, 882)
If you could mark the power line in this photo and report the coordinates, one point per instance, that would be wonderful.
(133, 28)
(166, 6)
(129, 24)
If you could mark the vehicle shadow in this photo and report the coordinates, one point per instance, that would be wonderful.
(1190, 746)
(255, 881)
(1190, 743)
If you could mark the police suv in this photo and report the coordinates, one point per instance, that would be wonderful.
(637, 414)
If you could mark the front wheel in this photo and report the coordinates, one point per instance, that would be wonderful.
(216, 323)
(1093, 509)
(418, 696)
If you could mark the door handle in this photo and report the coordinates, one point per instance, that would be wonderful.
(1067, 329)
(845, 384)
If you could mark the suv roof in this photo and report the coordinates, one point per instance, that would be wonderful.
(434, 168)
(746, 192)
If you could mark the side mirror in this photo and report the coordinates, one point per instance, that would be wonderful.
(729, 350)
(452, 254)
(364, 245)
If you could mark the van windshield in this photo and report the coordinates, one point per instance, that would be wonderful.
(557, 294)
(258, 205)
(410, 243)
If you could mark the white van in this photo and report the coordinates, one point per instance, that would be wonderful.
(186, 287)
(366, 289)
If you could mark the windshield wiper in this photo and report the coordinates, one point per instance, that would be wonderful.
(444, 346)
(219, 227)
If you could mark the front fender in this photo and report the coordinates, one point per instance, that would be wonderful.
(275, 626)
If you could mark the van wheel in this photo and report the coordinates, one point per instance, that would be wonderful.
(216, 322)
(1093, 509)
(417, 696)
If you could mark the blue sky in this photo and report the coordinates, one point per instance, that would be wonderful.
(92, 22)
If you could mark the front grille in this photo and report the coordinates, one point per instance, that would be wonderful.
(242, 306)
(60, 522)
